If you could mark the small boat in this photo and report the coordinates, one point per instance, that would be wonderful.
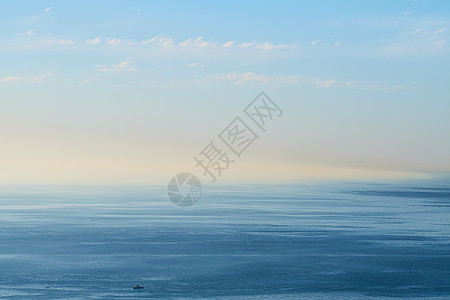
(138, 286)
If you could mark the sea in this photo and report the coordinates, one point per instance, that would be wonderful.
(305, 240)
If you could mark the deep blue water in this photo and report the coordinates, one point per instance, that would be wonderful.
(304, 241)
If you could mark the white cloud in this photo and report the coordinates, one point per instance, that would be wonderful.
(271, 82)
(123, 66)
(62, 42)
(418, 31)
(440, 31)
(29, 32)
(40, 78)
(113, 42)
(31, 79)
(166, 42)
(12, 79)
(378, 86)
(246, 45)
(93, 41)
(249, 76)
(238, 78)
(90, 80)
(325, 84)
(440, 43)
(66, 42)
(40, 43)
(337, 44)
(198, 42)
(228, 44)
(315, 42)
(149, 41)
(407, 12)
(158, 40)
(267, 45)
(416, 44)
(47, 9)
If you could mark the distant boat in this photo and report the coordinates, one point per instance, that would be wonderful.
(138, 286)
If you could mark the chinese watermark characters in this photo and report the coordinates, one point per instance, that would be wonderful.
(214, 159)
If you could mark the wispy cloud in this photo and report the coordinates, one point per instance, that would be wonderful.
(269, 46)
(87, 80)
(65, 42)
(30, 79)
(239, 78)
(94, 41)
(429, 38)
(113, 41)
(337, 44)
(228, 44)
(159, 40)
(198, 42)
(155, 42)
(415, 47)
(29, 32)
(34, 19)
(440, 43)
(325, 84)
(315, 42)
(271, 82)
(12, 79)
(268, 81)
(246, 44)
(195, 64)
(418, 31)
(440, 31)
(258, 45)
(123, 66)
(39, 43)
(379, 86)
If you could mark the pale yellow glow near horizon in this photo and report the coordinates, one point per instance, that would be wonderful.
(99, 159)
(61, 170)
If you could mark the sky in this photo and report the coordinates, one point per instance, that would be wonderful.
(129, 92)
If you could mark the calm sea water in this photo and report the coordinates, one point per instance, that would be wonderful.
(307, 241)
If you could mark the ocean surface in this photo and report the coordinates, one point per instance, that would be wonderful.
(321, 240)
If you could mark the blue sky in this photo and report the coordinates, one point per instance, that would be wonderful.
(129, 92)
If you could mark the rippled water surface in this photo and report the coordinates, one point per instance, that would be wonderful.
(314, 241)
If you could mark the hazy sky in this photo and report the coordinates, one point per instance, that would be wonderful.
(129, 92)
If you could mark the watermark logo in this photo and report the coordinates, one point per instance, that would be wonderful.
(262, 110)
(184, 189)
(238, 136)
